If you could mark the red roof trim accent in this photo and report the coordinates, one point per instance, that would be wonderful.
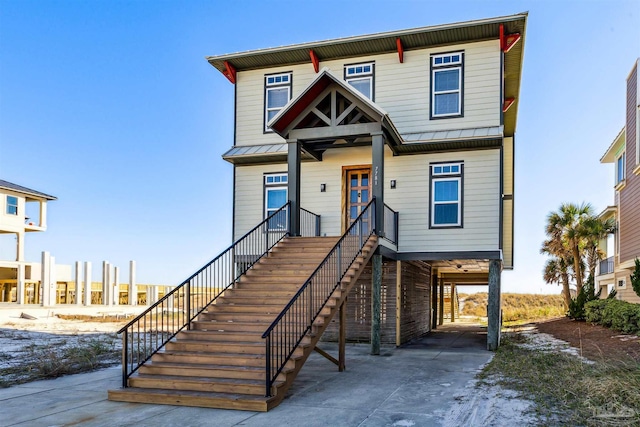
(229, 72)
(400, 50)
(507, 104)
(314, 60)
(510, 42)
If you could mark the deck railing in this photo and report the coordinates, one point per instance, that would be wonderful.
(292, 324)
(390, 225)
(309, 223)
(156, 326)
(605, 266)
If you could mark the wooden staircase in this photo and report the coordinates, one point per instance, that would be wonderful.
(220, 361)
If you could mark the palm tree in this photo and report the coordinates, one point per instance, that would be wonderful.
(569, 222)
(595, 230)
(557, 269)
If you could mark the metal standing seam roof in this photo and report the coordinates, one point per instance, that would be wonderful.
(6, 185)
(385, 42)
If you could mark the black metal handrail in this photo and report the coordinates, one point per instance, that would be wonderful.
(146, 334)
(390, 225)
(309, 223)
(286, 332)
(606, 266)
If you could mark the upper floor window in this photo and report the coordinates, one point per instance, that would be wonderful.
(446, 195)
(277, 92)
(360, 76)
(620, 166)
(446, 84)
(12, 205)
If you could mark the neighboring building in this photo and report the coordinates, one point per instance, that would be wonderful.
(19, 280)
(436, 105)
(614, 272)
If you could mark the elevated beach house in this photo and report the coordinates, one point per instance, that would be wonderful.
(614, 272)
(372, 176)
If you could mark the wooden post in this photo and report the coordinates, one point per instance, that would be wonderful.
(453, 312)
(342, 336)
(377, 172)
(493, 305)
(293, 184)
(376, 286)
(398, 302)
(87, 283)
(78, 277)
(434, 299)
(441, 302)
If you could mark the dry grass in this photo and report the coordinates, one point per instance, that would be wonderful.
(517, 307)
(568, 390)
(52, 360)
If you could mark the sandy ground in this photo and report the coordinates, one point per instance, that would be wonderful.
(473, 405)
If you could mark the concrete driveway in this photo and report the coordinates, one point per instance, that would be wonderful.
(415, 385)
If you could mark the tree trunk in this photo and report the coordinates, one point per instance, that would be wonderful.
(577, 268)
(566, 291)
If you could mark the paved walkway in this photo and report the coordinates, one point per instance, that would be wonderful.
(414, 385)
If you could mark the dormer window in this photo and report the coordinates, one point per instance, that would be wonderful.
(360, 76)
(277, 92)
(446, 85)
(12, 205)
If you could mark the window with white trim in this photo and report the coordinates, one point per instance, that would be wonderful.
(275, 196)
(360, 76)
(277, 92)
(620, 168)
(446, 194)
(12, 205)
(446, 84)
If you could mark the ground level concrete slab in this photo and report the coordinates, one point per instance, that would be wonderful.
(415, 385)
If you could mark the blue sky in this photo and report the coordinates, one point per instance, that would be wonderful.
(111, 107)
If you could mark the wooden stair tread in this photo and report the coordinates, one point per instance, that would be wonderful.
(183, 379)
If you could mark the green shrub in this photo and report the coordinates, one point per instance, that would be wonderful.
(619, 315)
(587, 293)
(594, 310)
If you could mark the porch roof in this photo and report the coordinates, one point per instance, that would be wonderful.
(287, 116)
(31, 194)
(256, 154)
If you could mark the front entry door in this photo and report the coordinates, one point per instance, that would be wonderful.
(358, 193)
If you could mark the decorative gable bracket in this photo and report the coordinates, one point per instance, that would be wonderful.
(507, 41)
(229, 72)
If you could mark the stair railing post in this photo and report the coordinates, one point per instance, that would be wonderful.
(125, 357)
(267, 368)
(338, 263)
(188, 304)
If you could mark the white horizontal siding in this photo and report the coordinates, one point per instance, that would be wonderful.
(410, 198)
(400, 89)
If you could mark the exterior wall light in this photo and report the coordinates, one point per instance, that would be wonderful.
(393, 183)
(323, 188)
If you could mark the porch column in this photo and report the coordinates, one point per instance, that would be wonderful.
(376, 286)
(493, 305)
(133, 288)
(87, 283)
(105, 283)
(453, 311)
(78, 277)
(20, 283)
(293, 186)
(434, 299)
(441, 302)
(377, 170)
(45, 278)
(116, 286)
